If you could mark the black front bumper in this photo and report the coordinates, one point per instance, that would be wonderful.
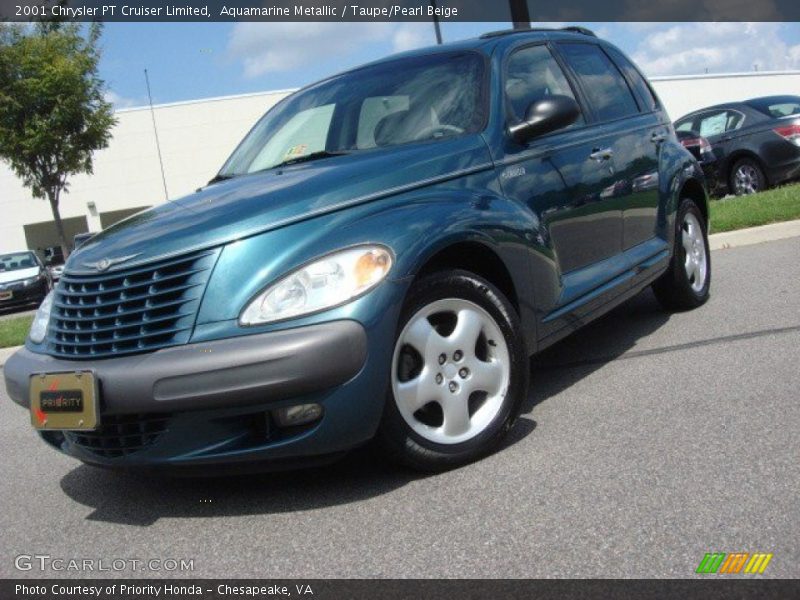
(230, 373)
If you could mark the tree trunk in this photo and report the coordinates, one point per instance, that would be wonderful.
(53, 195)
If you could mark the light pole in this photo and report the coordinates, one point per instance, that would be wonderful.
(520, 16)
(436, 23)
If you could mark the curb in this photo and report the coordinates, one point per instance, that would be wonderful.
(5, 354)
(754, 235)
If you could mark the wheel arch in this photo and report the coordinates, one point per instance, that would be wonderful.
(476, 257)
(735, 157)
(694, 190)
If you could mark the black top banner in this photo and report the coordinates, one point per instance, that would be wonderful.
(401, 10)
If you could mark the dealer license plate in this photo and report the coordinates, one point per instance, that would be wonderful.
(64, 401)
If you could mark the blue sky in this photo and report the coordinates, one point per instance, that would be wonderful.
(187, 61)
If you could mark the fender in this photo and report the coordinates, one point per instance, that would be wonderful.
(678, 169)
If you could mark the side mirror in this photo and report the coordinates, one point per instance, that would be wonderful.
(544, 116)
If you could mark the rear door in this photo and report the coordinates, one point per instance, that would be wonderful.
(642, 217)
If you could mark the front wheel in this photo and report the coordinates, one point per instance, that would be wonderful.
(459, 373)
(687, 281)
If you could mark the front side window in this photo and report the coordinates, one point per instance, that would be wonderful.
(603, 84)
(416, 99)
(533, 74)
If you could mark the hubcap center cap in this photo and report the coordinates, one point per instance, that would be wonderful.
(450, 371)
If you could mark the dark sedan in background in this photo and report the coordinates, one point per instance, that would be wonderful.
(24, 280)
(745, 147)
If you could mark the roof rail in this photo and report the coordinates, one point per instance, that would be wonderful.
(571, 29)
(582, 30)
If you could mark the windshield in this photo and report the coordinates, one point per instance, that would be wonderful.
(407, 100)
(17, 261)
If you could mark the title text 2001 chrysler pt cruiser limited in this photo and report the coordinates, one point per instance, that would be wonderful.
(378, 258)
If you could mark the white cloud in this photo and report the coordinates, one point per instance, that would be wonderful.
(691, 48)
(120, 101)
(409, 36)
(272, 47)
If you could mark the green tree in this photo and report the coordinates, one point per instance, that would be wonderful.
(53, 113)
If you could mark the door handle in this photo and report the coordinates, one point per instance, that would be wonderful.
(657, 137)
(601, 154)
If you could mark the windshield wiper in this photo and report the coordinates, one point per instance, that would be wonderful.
(289, 161)
(219, 177)
(309, 157)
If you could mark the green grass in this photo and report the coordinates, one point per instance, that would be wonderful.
(14, 330)
(772, 206)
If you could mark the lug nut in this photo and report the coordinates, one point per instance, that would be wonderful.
(458, 355)
(453, 387)
(442, 358)
(439, 378)
(464, 372)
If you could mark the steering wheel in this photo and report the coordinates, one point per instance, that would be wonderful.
(431, 131)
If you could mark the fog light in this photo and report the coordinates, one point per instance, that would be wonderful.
(298, 415)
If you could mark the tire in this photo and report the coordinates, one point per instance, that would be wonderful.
(687, 282)
(459, 373)
(747, 177)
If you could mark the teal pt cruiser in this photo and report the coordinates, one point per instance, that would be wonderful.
(377, 260)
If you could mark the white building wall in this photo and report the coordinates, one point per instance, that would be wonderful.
(684, 94)
(196, 137)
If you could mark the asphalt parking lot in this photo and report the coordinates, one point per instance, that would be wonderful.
(648, 440)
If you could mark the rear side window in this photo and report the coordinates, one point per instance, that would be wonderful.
(643, 90)
(533, 74)
(603, 84)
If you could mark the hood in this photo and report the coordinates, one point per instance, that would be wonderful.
(18, 274)
(250, 204)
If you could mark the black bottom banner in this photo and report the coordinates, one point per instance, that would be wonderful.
(389, 589)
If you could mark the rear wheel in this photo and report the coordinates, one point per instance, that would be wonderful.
(459, 373)
(687, 282)
(747, 177)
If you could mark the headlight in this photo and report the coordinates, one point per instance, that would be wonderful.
(31, 280)
(324, 283)
(41, 320)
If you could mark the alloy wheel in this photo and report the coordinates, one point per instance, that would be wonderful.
(746, 179)
(450, 371)
(696, 262)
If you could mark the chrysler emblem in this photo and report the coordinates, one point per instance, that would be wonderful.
(107, 263)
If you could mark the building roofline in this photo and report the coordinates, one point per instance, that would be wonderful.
(290, 90)
(205, 100)
(723, 75)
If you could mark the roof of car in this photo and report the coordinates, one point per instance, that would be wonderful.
(491, 38)
(751, 103)
(768, 99)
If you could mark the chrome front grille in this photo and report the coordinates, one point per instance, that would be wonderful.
(128, 311)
